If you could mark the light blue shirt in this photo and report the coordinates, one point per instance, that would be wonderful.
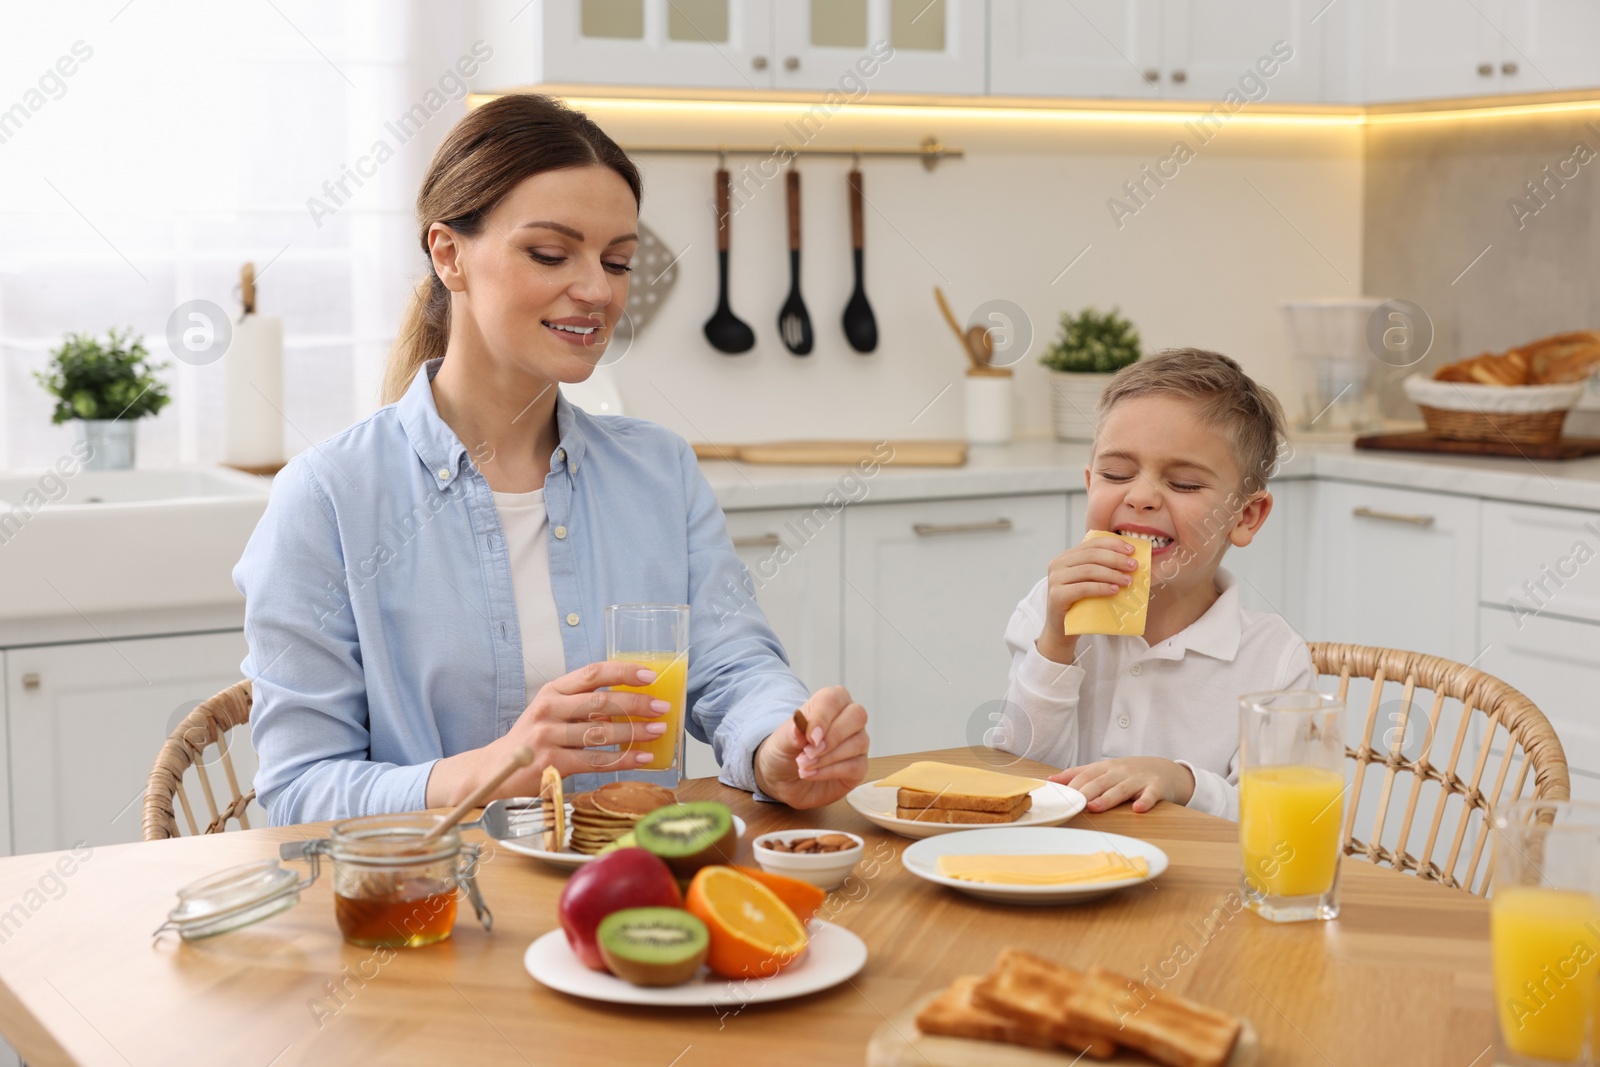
(382, 627)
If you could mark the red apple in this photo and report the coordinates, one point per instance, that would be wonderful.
(626, 878)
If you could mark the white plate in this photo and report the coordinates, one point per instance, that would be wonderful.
(922, 860)
(565, 859)
(834, 955)
(1053, 804)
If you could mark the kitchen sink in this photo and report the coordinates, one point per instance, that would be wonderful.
(123, 541)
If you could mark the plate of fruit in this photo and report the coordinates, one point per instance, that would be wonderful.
(739, 935)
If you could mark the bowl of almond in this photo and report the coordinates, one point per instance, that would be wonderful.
(824, 858)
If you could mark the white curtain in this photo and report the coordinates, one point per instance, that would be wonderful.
(148, 148)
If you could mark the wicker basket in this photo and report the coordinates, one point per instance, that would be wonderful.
(1522, 414)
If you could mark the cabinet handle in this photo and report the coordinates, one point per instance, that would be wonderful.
(770, 540)
(1508, 68)
(791, 62)
(1179, 77)
(30, 681)
(1485, 69)
(758, 62)
(1391, 516)
(933, 529)
(1151, 74)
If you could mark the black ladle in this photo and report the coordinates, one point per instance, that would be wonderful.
(725, 330)
(860, 327)
(794, 324)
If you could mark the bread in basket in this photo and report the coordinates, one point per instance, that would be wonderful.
(1521, 395)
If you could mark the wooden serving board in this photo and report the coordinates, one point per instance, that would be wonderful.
(898, 1043)
(1564, 448)
(930, 453)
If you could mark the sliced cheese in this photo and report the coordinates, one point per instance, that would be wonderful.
(1044, 869)
(927, 776)
(1121, 613)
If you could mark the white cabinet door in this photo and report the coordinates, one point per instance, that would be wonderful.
(86, 721)
(1260, 566)
(1416, 49)
(1556, 664)
(795, 562)
(1395, 568)
(702, 43)
(1541, 561)
(928, 590)
(933, 46)
(1550, 44)
(1211, 47)
(1091, 48)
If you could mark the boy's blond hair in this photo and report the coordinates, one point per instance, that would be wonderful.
(1226, 398)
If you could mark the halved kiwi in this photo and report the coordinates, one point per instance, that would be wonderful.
(689, 836)
(653, 946)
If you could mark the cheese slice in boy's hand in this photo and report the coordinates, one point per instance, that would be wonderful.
(1123, 612)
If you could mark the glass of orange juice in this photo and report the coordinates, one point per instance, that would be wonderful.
(1544, 921)
(1291, 803)
(655, 636)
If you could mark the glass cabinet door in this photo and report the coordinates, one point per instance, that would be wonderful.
(855, 46)
(691, 43)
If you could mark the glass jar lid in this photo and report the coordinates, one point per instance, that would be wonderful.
(233, 898)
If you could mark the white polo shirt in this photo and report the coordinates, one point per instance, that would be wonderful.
(1122, 697)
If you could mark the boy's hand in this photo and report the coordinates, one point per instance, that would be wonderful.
(1146, 779)
(1098, 567)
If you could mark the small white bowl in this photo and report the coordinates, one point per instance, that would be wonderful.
(825, 870)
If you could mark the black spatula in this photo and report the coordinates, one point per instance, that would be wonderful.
(860, 327)
(794, 324)
(725, 330)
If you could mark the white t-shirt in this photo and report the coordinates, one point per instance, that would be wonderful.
(527, 530)
(1122, 697)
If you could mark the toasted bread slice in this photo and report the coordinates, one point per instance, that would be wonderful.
(957, 815)
(916, 798)
(1170, 1029)
(954, 1014)
(1031, 990)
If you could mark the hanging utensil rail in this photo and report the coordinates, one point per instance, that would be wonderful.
(931, 151)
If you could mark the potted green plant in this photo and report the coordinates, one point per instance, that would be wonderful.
(106, 388)
(1090, 349)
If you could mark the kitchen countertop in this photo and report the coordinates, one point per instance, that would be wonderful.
(1053, 467)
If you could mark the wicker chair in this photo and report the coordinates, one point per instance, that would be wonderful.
(211, 723)
(1486, 704)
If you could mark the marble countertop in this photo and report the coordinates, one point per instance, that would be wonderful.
(1053, 467)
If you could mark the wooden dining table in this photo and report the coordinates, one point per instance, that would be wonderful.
(1402, 976)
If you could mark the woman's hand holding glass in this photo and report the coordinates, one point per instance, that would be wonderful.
(568, 725)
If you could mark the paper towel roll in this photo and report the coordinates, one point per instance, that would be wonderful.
(252, 391)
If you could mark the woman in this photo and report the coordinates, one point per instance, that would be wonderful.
(426, 590)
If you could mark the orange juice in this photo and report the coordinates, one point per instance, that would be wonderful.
(1289, 823)
(1546, 969)
(671, 685)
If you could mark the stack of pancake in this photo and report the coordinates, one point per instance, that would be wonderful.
(600, 817)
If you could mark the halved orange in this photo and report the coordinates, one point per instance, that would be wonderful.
(803, 898)
(753, 932)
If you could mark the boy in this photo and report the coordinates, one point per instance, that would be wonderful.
(1182, 452)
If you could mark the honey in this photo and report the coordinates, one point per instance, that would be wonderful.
(398, 919)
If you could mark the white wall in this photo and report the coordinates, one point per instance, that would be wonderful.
(1260, 215)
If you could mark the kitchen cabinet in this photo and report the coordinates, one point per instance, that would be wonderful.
(1550, 45)
(86, 721)
(1541, 560)
(795, 564)
(937, 46)
(1154, 49)
(1394, 567)
(1554, 663)
(928, 589)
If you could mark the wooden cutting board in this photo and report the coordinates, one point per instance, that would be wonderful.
(1564, 448)
(930, 453)
(898, 1043)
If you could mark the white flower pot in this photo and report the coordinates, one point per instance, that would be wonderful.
(1073, 398)
(110, 443)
